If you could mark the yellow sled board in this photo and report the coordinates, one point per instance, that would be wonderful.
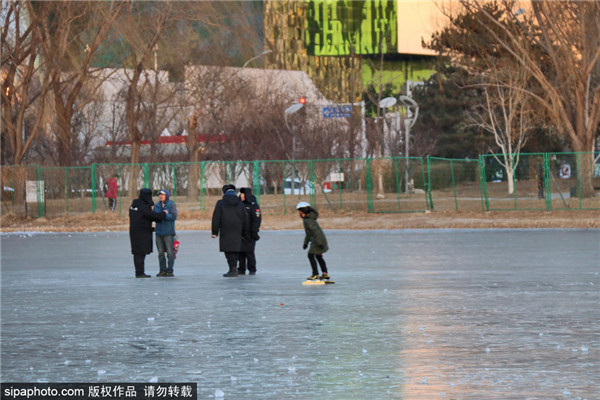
(317, 282)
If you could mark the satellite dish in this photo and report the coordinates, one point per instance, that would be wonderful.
(387, 102)
(293, 108)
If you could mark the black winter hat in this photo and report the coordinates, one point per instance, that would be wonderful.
(146, 195)
(228, 187)
(246, 190)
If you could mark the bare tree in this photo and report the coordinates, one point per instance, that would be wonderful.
(23, 88)
(558, 44)
(377, 135)
(71, 34)
(506, 114)
(214, 97)
(87, 131)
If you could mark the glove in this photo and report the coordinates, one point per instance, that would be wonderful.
(304, 246)
(255, 236)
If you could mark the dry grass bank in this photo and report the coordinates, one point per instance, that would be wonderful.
(196, 220)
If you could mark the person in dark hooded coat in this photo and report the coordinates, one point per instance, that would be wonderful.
(140, 229)
(247, 258)
(316, 237)
(228, 222)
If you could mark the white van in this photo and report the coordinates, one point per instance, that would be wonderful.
(307, 188)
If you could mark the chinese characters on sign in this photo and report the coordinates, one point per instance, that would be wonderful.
(104, 391)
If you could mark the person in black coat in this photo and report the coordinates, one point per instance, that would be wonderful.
(247, 258)
(228, 222)
(140, 229)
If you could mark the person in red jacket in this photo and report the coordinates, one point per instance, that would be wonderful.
(111, 191)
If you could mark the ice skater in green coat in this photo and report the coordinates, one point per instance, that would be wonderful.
(316, 238)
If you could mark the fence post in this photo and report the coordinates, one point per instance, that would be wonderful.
(67, 189)
(311, 178)
(395, 160)
(256, 180)
(485, 201)
(341, 185)
(174, 184)
(12, 185)
(146, 175)
(283, 189)
(120, 185)
(93, 188)
(40, 190)
(203, 185)
(453, 185)
(369, 184)
(579, 176)
(514, 179)
(428, 196)
(547, 182)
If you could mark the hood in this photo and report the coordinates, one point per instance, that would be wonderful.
(312, 214)
(146, 196)
(230, 198)
(250, 198)
(246, 190)
(167, 194)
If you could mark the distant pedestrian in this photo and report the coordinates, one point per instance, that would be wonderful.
(140, 229)
(316, 237)
(111, 191)
(247, 258)
(228, 222)
(165, 233)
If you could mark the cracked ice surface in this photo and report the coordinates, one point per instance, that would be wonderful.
(413, 315)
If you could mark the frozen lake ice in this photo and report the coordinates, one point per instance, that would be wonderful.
(450, 314)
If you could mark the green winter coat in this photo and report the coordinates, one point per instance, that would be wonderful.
(314, 234)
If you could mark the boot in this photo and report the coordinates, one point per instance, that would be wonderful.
(231, 273)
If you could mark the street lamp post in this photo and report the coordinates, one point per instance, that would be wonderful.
(385, 103)
(290, 110)
(408, 123)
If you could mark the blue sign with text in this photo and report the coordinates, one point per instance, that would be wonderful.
(337, 111)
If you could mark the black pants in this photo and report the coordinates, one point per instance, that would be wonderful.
(111, 204)
(313, 258)
(138, 262)
(247, 260)
(232, 259)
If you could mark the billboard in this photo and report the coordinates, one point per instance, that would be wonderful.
(346, 27)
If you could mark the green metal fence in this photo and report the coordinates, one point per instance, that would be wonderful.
(545, 181)
(556, 181)
(454, 184)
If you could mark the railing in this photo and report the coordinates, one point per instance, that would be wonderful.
(544, 181)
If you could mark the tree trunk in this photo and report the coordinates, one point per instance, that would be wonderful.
(134, 171)
(509, 167)
(63, 138)
(63, 126)
(586, 171)
(510, 173)
(379, 172)
(194, 176)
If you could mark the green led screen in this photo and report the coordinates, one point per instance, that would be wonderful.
(345, 27)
